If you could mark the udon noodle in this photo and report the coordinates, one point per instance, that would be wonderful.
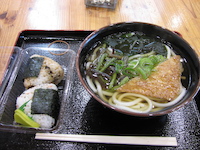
(105, 80)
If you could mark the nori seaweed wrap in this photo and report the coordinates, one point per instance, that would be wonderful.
(33, 67)
(45, 101)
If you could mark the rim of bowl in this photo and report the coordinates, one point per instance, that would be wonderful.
(150, 114)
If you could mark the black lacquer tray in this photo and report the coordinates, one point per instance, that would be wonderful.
(84, 115)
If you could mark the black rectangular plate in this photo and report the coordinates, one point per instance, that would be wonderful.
(84, 115)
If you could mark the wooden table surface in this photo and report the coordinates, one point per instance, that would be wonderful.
(182, 16)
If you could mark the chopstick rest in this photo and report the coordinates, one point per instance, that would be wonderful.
(109, 139)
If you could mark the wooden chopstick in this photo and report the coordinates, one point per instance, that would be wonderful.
(109, 139)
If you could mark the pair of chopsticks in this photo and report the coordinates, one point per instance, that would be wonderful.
(109, 139)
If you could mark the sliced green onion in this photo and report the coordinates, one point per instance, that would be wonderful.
(156, 59)
(146, 63)
(133, 63)
(130, 72)
(141, 72)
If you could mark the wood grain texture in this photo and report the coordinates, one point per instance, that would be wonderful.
(182, 16)
(128, 140)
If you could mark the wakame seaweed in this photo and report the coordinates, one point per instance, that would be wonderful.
(45, 101)
(132, 43)
(33, 67)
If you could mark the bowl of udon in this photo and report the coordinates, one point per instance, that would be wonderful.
(138, 69)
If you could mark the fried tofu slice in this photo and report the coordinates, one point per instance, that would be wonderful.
(163, 83)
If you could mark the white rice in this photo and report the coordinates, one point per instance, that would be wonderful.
(44, 120)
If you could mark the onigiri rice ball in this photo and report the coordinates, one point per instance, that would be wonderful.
(50, 72)
(45, 120)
